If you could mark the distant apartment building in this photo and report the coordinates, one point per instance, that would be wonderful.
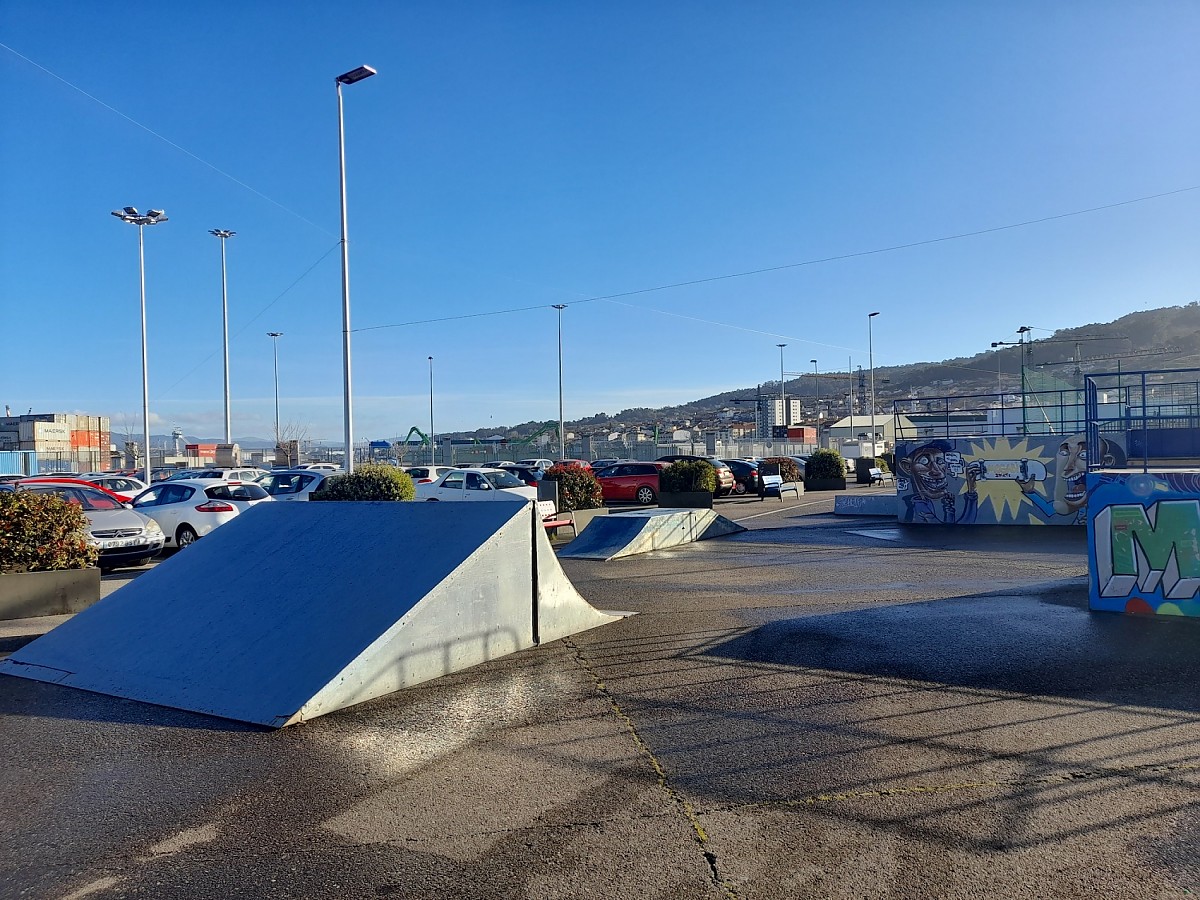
(68, 440)
(770, 414)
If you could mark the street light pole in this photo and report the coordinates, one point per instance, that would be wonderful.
(871, 362)
(782, 394)
(225, 235)
(275, 336)
(351, 77)
(562, 435)
(152, 217)
(817, 398)
(432, 433)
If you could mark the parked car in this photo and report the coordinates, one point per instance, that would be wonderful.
(598, 464)
(426, 474)
(636, 481)
(535, 463)
(44, 479)
(122, 485)
(123, 536)
(745, 475)
(494, 464)
(187, 510)
(477, 484)
(240, 473)
(320, 467)
(725, 479)
(293, 484)
(531, 475)
(581, 463)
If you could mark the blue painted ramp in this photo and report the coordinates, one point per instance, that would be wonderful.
(643, 530)
(293, 610)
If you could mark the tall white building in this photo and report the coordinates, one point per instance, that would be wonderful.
(770, 413)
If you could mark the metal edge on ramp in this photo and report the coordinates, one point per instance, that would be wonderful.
(641, 531)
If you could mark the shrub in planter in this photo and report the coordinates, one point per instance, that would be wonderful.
(788, 470)
(373, 481)
(42, 532)
(881, 463)
(887, 462)
(688, 475)
(826, 464)
(578, 488)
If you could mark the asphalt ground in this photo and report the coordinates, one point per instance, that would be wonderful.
(819, 707)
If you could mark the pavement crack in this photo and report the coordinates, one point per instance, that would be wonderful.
(664, 781)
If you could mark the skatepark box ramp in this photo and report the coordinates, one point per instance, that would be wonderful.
(294, 610)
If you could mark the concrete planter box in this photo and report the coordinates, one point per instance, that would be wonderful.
(825, 484)
(24, 595)
(685, 500)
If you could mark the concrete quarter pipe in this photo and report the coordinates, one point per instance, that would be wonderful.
(293, 610)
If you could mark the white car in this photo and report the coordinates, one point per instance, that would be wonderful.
(123, 537)
(426, 474)
(123, 486)
(477, 484)
(188, 509)
(238, 473)
(321, 467)
(293, 484)
(536, 463)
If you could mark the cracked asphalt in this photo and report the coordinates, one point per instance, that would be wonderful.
(819, 707)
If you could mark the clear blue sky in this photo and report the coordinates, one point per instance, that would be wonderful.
(521, 154)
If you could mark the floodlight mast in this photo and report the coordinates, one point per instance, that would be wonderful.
(224, 234)
(152, 217)
(352, 77)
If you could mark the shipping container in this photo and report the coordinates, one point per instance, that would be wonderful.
(14, 462)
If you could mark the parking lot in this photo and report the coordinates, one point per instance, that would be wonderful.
(818, 707)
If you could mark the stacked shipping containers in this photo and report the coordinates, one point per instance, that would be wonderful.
(84, 441)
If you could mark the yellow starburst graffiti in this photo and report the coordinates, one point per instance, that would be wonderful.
(1000, 498)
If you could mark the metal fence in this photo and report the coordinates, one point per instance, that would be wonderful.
(982, 415)
(465, 454)
(1144, 418)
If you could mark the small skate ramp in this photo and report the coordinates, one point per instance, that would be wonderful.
(643, 530)
(293, 610)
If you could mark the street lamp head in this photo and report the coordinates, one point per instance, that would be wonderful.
(872, 315)
(274, 334)
(559, 306)
(813, 361)
(130, 211)
(355, 75)
(781, 346)
(221, 233)
(133, 217)
(1023, 329)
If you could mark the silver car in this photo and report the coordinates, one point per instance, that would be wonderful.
(123, 536)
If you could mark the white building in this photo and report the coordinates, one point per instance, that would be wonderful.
(770, 413)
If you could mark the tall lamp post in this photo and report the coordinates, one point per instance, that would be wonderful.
(432, 433)
(817, 398)
(871, 362)
(352, 77)
(275, 336)
(152, 217)
(224, 236)
(783, 416)
(562, 435)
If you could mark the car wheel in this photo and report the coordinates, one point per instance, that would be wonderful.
(186, 536)
(645, 496)
(740, 487)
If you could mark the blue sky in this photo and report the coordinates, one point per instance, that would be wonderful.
(512, 155)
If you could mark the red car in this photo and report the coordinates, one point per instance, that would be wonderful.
(637, 481)
(579, 463)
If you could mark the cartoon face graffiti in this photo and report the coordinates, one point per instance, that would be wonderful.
(1070, 488)
(930, 468)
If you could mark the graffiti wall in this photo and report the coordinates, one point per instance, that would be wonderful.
(1010, 480)
(1144, 542)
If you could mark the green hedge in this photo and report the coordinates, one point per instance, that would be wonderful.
(578, 488)
(789, 470)
(826, 464)
(40, 532)
(688, 475)
(372, 481)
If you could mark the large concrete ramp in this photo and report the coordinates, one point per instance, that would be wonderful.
(293, 610)
(643, 530)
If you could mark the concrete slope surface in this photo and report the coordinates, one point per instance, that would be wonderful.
(292, 611)
(643, 530)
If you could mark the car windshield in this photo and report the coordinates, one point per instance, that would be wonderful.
(503, 479)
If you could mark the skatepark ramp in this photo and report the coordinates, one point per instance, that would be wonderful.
(294, 610)
(643, 530)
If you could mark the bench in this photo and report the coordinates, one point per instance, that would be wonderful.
(878, 476)
(774, 486)
(551, 521)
